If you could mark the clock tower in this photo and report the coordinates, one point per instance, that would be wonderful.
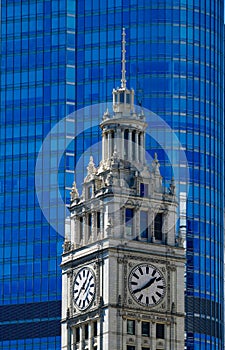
(123, 264)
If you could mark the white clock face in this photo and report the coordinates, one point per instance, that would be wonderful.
(84, 288)
(147, 285)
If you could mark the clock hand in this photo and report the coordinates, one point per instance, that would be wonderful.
(148, 284)
(88, 285)
(82, 288)
(80, 291)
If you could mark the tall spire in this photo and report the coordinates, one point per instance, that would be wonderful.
(123, 80)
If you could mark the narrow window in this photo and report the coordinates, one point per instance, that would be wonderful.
(139, 139)
(122, 97)
(133, 144)
(86, 331)
(81, 227)
(143, 190)
(129, 220)
(158, 226)
(145, 329)
(126, 133)
(89, 192)
(77, 332)
(160, 331)
(112, 139)
(98, 220)
(89, 224)
(131, 327)
(144, 224)
(103, 221)
(95, 328)
(130, 347)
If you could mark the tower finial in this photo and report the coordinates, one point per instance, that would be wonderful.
(123, 80)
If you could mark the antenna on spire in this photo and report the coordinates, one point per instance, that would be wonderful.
(123, 80)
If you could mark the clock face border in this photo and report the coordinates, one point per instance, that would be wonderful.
(141, 274)
(82, 280)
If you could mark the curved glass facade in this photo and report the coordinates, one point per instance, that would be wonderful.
(33, 36)
(60, 56)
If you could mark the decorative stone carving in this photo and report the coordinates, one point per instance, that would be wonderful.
(109, 179)
(171, 267)
(74, 194)
(91, 166)
(106, 115)
(120, 260)
(67, 246)
(172, 188)
(180, 241)
(156, 165)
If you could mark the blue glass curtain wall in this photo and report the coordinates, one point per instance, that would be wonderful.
(60, 56)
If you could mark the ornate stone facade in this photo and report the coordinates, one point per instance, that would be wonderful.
(123, 265)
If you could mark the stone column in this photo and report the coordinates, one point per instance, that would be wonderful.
(73, 342)
(76, 231)
(85, 230)
(90, 336)
(136, 147)
(130, 145)
(117, 141)
(107, 229)
(143, 152)
(106, 146)
(153, 335)
(138, 334)
(73, 231)
(109, 145)
(98, 335)
(82, 340)
(172, 336)
(102, 228)
(94, 226)
(122, 143)
(141, 147)
(167, 336)
(124, 333)
(103, 146)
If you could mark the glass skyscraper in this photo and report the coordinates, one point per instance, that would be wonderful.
(60, 56)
